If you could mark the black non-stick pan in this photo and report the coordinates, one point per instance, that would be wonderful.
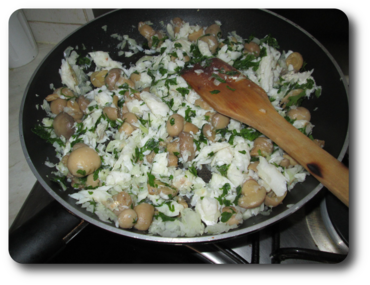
(330, 112)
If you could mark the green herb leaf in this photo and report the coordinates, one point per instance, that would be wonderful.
(214, 91)
(45, 134)
(223, 169)
(296, 100)
(238, 194)
(164, 217)
(60, 180)
(183, 91)
(246, 61)
(96, 174)
(81, 172)
(193, 170)
(225, 216)
(211, 154)
(269, 40)
(189, 113)
(151, 179)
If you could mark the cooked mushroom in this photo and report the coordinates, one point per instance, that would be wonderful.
(202, 104)
(288, 161)
(58, 105)
(83, 161)
(299, 113)
(126, 128)
(253, 194)
(175, 124)
(111, 112)
(209, 132)
(172, 160)
(253, 166)
(296, 60)
(78, 145)
(129, 118)
(91, 182)
(83, 102)
(159, 187)
(63, 125)
(145, 214)
(123, 80)
(214, 30)
(146, 31)
(74, 110)
(219, 121)
(195, 35)
(272, 200)
(190, 128)
(211, 41)
(127, 219)
(177, 22)
(292, 93)
(173, 147)
(187, 148)
(262, 146)
(97, 78)
(150, 157)
(252, 48)
(112, 77)
(233, 220)
(122, 201)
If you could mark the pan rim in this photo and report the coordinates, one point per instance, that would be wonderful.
(178, 240)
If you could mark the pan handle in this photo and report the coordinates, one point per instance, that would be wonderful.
(44, 235)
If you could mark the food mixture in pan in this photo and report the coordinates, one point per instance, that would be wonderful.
(132, 140)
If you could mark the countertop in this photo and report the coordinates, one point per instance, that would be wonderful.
(21, 178)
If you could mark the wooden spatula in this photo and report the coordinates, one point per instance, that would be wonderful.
(243, 100)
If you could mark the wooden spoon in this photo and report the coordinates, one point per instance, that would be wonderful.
(239, 98)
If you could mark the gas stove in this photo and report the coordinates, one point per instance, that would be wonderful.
(316, 233)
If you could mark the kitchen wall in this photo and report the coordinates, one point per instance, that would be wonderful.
(50, 26)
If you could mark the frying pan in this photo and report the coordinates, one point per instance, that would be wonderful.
(330, 113)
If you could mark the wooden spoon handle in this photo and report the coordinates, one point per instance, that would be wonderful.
(324, 167)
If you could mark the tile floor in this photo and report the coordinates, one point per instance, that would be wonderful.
(21, 178)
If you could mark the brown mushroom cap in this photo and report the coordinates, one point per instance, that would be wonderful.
(262, 145)
(123, 201)
(97, 78)
(253, 194)
(219, 121)
(214, 30)
(57, 106)
(175, 124)
(83, 161)
(127, 218)
(296, 60)
(145, 214)
(63, 125)
(299, 113)
(252, 48)
(209, 132)
(272, 200)
(187, 144)
(113, 75)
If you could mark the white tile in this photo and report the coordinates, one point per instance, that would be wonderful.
(66, 16)
(51, 33)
